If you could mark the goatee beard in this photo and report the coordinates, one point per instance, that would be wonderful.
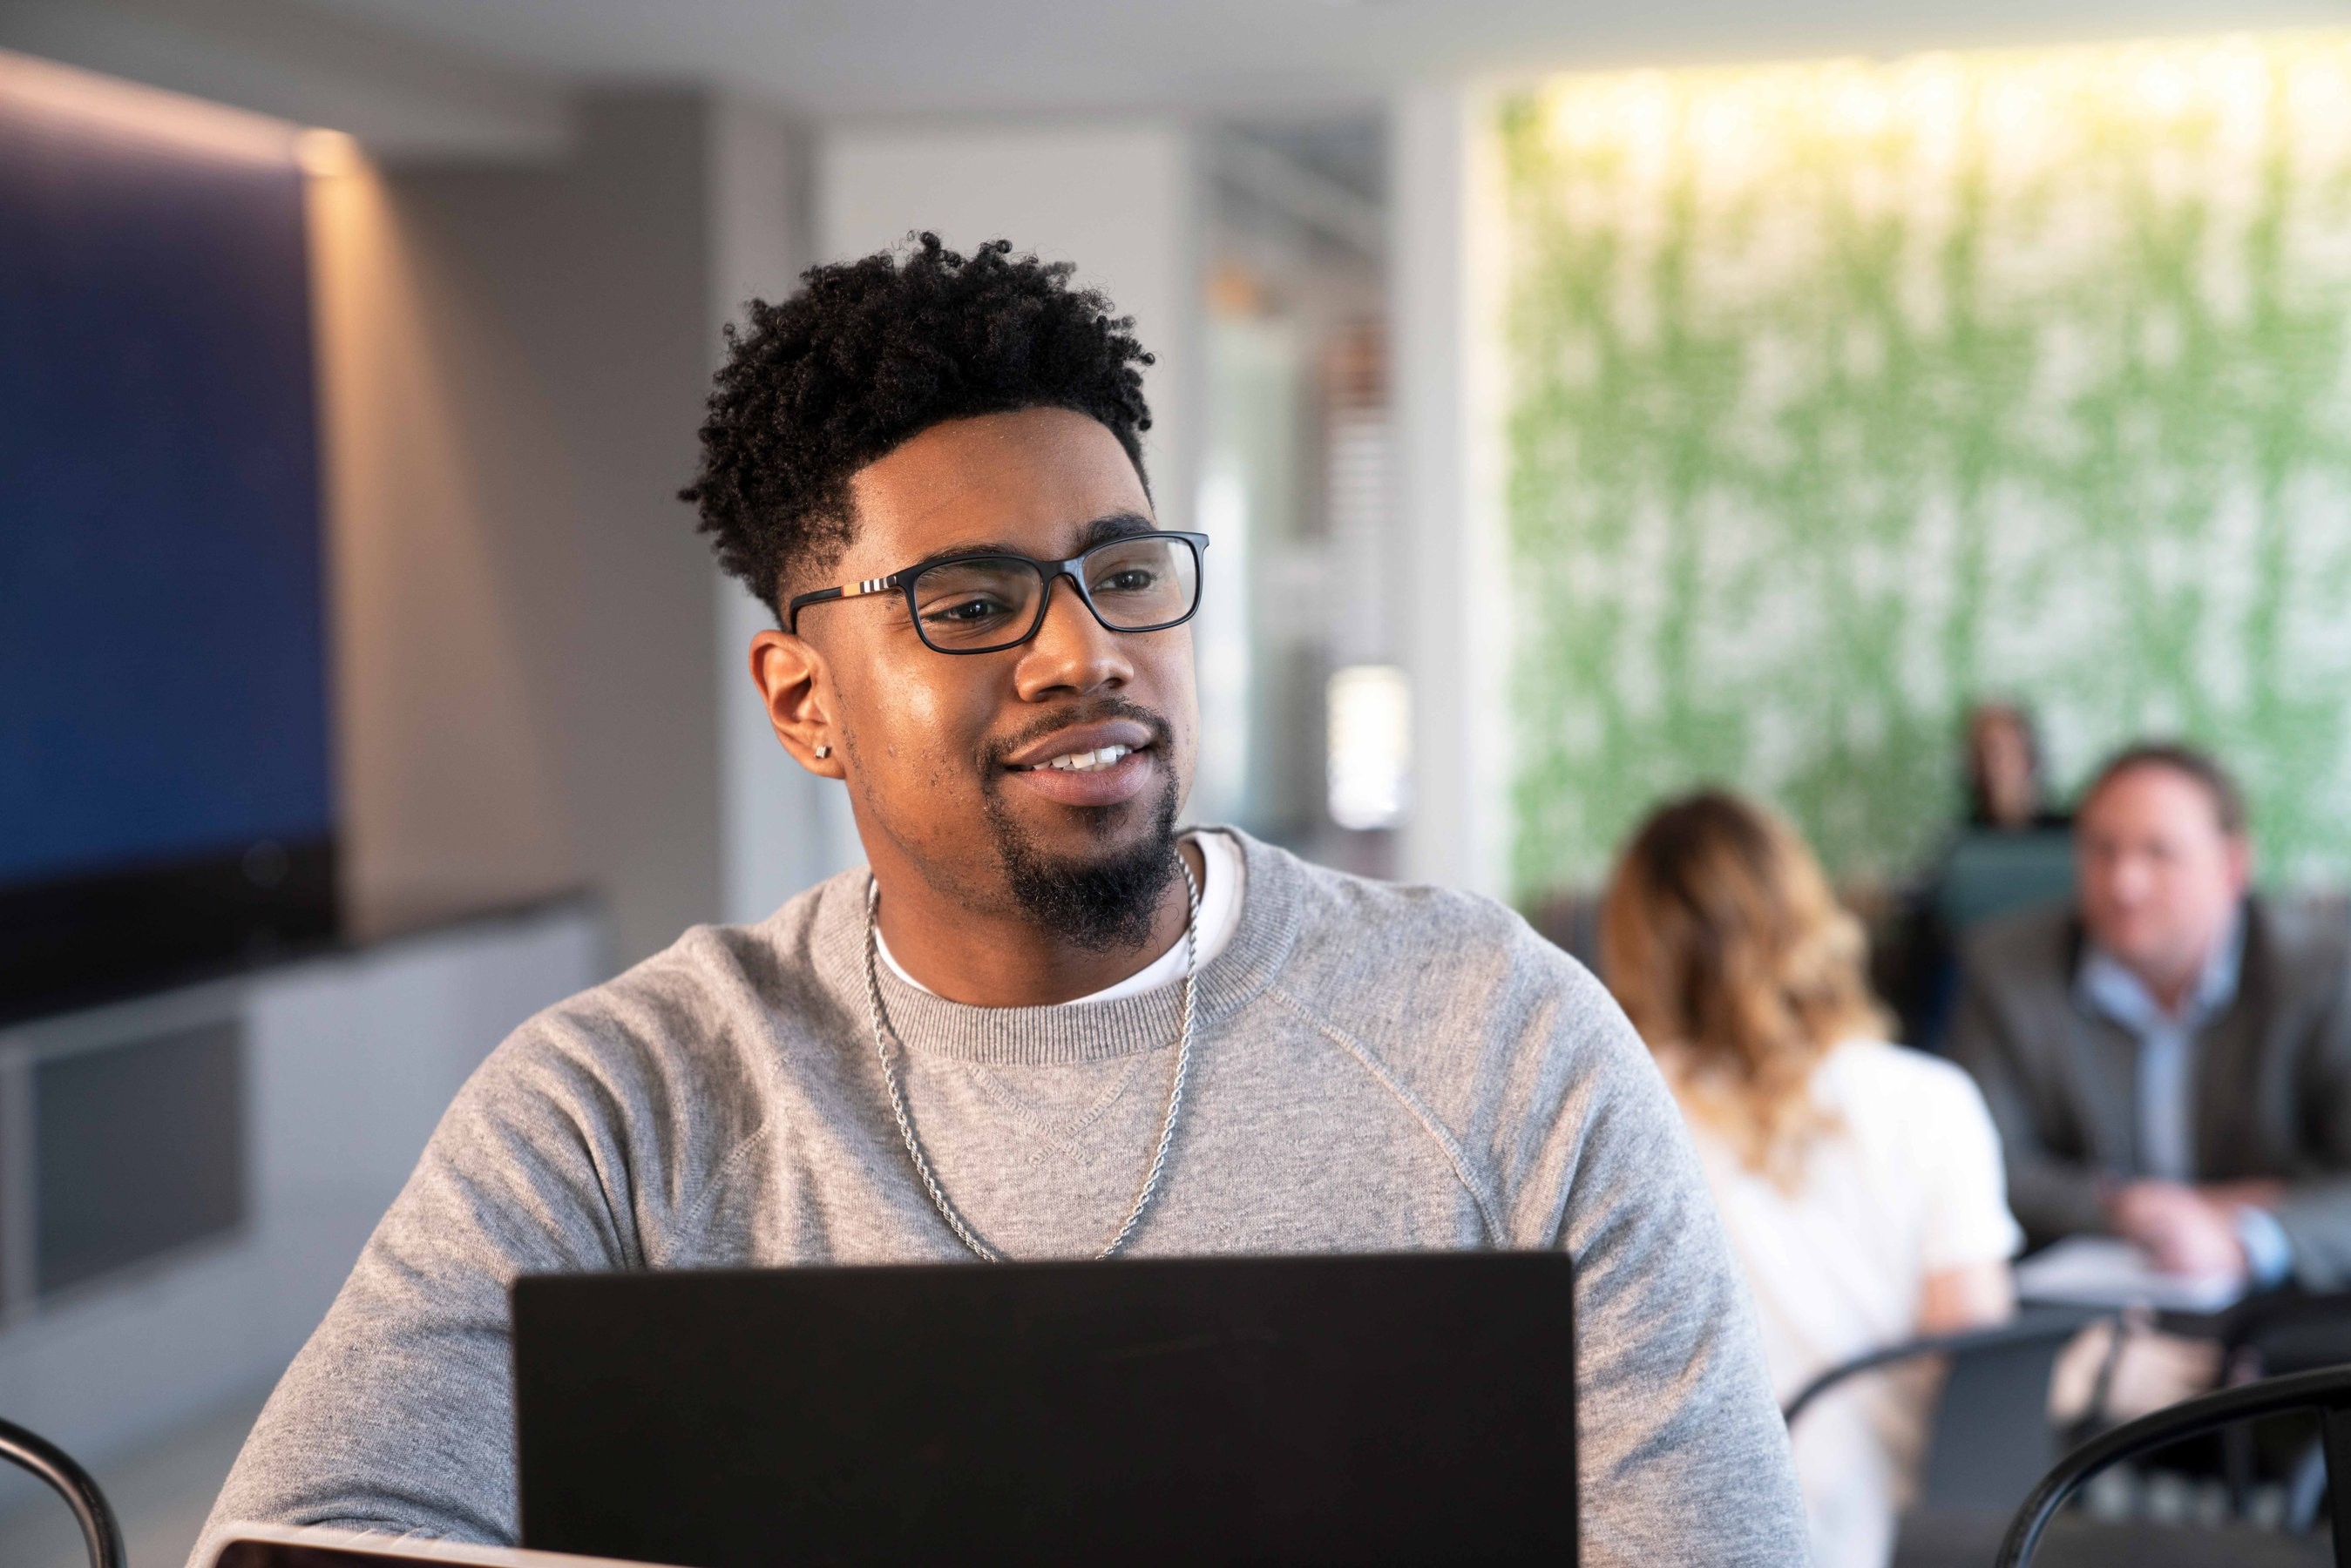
(1099, 904)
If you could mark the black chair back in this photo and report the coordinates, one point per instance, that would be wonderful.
(99, 1534)
(1991, 1439)
(2326, 1391)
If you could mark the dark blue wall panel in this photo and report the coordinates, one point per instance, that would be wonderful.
(162, 646)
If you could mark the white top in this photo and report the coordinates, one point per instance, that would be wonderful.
(1909, 1184)
(1221, 877)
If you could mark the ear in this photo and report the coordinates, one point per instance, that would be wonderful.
(789, 673)
(2241, 860)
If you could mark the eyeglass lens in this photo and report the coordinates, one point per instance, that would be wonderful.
(1140, 583)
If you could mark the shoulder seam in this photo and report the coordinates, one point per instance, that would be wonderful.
(1454, 1153)
(691, 1222)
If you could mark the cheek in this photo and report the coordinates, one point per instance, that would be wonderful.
(1173, 690)
(920, 727)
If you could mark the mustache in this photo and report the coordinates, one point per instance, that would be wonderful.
(1092, 712)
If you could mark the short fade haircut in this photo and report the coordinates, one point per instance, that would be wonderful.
(2200, 768)
(870, 354)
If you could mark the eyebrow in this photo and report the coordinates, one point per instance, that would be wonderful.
(1117, 525)
(1100, 531)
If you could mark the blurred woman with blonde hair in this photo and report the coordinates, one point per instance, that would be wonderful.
(1860, 1183)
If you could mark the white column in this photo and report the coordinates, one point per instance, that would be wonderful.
(1451, 547)
(781, 829)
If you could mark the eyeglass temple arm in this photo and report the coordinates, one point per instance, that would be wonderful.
(854, 590)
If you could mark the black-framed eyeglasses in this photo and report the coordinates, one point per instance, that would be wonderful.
(987, 603)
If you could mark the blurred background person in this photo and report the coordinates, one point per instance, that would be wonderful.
(2169, 1058)
(2011, 851)
(1859, 1182)
(2007, 791)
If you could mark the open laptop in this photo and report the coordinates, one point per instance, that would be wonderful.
(1387, 1410)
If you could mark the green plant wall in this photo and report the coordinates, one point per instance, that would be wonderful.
(1841, 395)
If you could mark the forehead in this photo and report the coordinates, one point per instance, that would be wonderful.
(2151, 798)
(1030, 480)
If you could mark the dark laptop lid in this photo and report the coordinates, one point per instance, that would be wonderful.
(1305, 1410)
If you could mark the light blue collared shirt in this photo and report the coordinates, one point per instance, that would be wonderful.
(2166, 1068)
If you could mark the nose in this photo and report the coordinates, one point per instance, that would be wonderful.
(1072, 653)
(2128, 881)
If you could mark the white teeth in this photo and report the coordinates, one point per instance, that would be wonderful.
(1087, 761)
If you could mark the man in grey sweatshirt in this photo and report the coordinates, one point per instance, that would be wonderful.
(1042, 1024)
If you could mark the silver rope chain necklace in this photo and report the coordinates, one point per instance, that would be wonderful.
(963, 1232)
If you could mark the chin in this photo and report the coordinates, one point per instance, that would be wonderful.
(2145, 953)
(1086, 835)
(1094, 873)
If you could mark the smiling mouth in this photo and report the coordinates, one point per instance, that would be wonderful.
(1091, 762)
(1090, 757)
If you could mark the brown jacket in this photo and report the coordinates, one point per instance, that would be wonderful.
(2272, 1074)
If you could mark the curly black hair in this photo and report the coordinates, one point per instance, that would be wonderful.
(870, 353)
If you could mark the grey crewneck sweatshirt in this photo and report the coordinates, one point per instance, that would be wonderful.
(1376, 1068)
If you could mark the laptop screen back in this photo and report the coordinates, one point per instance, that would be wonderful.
(1351, 1409)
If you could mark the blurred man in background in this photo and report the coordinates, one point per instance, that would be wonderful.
(2169, 1058)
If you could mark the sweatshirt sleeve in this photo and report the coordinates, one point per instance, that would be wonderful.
(1682, 1457)
(397, 1416)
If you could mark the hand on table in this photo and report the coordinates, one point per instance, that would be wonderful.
(2149, 1370)
(2185, 1230)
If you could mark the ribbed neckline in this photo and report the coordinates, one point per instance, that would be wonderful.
(1084, 1032)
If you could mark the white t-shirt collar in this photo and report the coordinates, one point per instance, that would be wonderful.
(1221, 879)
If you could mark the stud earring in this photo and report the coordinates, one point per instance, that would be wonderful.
(824, 751)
